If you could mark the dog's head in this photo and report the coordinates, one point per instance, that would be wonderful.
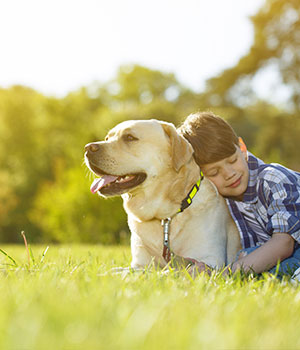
(135, 153)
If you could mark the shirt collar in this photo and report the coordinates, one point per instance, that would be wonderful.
(250, 195)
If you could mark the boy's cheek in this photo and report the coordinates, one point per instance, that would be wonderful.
(219, 185)
(217, 182)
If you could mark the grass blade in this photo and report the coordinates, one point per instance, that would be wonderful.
(26, 246)
(31, 254)
(8, 256)
(44, 253)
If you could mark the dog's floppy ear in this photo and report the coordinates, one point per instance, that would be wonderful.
(181, 149)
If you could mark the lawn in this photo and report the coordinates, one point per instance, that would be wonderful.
(68, 299)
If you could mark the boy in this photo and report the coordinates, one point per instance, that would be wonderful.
(263, 199)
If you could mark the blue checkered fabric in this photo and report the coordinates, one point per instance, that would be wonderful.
(273, 197)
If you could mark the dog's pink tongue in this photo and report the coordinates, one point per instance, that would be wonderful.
(101, 182)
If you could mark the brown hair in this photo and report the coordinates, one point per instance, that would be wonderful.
(212, 138)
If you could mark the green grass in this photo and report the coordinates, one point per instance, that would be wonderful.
(71, 301)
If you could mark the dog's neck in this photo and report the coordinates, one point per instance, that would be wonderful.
(164, 199)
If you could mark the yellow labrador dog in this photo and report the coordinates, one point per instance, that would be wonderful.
(171, 209)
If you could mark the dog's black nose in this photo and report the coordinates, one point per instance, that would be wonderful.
(92, 147)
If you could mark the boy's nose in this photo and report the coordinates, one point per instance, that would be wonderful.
(228, 173)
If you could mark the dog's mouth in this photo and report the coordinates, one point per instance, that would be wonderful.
(113, 185)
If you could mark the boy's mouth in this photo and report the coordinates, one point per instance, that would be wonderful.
(236, 183)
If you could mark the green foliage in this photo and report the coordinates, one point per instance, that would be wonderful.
(71, 300)
(276, 44)
(66, 211)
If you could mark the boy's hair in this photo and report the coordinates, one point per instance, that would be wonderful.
(212, 138)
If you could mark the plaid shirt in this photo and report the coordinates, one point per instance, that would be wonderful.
(273, 197)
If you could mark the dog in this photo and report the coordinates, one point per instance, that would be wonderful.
(172, 210)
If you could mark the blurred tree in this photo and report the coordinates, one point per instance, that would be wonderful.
(21, 162)
(277, 139)
(36, 134)
(66, 211)
(142, 93)
(276, 47)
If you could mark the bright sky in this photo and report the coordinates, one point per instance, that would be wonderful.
(57, 46)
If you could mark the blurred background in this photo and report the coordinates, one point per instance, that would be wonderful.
(71, 70)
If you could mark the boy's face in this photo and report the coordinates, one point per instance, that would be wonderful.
(229, 175)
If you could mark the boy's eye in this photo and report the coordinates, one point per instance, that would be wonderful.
(233, 160)
(212, 174)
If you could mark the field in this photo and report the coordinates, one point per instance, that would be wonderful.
(68, 299)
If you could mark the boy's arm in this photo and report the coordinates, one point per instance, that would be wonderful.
(278, 248)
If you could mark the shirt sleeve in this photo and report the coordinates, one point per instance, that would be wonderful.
(283, 208)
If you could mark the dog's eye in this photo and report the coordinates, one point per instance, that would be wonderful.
(129, 137)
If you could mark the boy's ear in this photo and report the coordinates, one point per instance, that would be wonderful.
(243, 146)
(181, 150)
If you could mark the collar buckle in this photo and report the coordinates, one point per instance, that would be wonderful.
(166, 232)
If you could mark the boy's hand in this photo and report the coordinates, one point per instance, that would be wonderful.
(199, 267)
(278, 248)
